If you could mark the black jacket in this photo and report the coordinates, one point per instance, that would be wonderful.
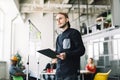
(71, 43)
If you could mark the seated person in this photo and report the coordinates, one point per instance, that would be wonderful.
(50, 67)
(16, 71)
(90, 66)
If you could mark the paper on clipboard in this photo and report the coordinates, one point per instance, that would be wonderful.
(48, 52)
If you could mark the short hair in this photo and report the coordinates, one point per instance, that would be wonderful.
(66, 16)
(92, 59)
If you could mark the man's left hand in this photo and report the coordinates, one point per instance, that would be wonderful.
(62, 56)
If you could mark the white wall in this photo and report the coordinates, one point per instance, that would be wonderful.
(19, 35)
(45, 26)
(116, 12)
(19, 41)
(6, 43)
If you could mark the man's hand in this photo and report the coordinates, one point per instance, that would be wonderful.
(54, 61)
(62, 56)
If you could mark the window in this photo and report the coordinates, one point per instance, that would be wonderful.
(96, 48)
(116, 47)
(90, 50)
(1, 33)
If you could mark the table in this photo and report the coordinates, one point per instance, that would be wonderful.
(82, 72)
(46, 73)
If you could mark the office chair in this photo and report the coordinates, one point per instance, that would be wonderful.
(17, 77)
(102, 76)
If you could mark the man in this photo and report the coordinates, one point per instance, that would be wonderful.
(14, 70)
(69, 47)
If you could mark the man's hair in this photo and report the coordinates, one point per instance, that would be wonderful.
(66, 16)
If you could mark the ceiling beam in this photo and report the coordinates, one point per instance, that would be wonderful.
(65, 1)
(90, 1)
(54, 8)
(51, 8)
(89, 6)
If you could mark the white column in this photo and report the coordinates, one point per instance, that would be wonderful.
(115, 11)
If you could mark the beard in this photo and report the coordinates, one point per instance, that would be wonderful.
(64, 25)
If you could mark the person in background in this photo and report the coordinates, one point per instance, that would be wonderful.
(69, 48)
(17, 71)
(91, 67)
(83, 29)
(14, 70)
(49, 69)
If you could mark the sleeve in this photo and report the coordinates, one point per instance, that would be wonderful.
(12, 71)
(56, 44)
(78, 49)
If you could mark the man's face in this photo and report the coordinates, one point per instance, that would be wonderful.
(13, 62)
(61, 20)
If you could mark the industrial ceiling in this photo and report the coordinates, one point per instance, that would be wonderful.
(54, 6)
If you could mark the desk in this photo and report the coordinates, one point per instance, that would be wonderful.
(47, 73)
(82, 72)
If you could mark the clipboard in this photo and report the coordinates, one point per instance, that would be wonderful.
(48, 52)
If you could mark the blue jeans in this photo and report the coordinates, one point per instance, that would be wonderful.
(70, 77)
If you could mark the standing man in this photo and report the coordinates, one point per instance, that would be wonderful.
(69, 47)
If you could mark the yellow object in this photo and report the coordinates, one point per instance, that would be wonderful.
(102, 76)
(17, 78)
(14, 58)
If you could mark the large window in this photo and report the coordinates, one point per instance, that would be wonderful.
(95, 48)
(1, 33)
(116, 47)
(90, 50)
(98, 49)
(105, 50)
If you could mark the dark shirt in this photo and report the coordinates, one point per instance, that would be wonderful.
(48, 66)
(71, 43)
